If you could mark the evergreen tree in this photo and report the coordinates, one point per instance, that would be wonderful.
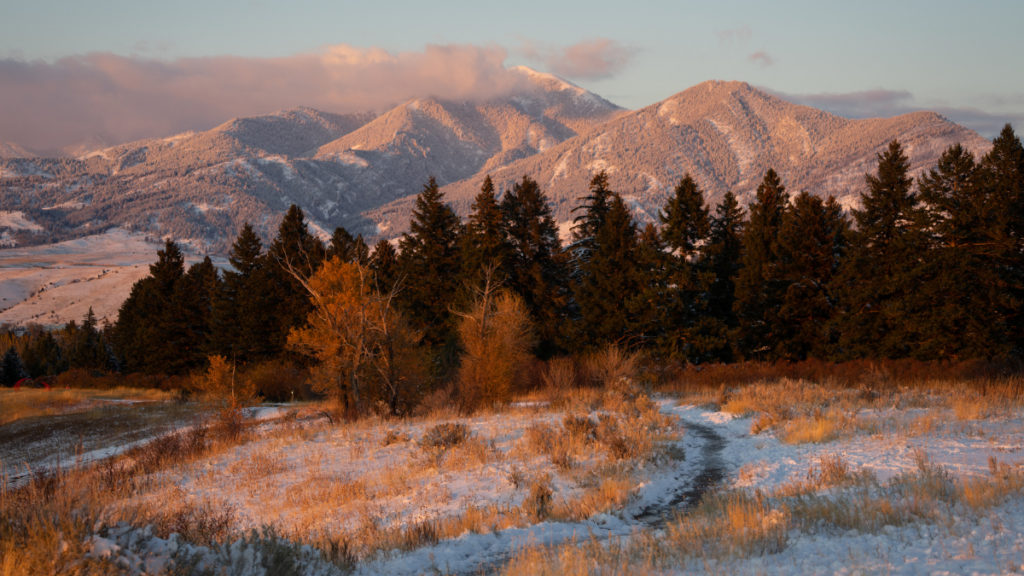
(685, 218)
(187, 326)
(84, 347)
(722, 257)
(429, 256)
(535, 265)
(341, 245)
(810, 246)
(138, 336)
(43, 356)
(485, 244)
(12, 368)
(294, 250)
(384, 265)
(961, 290)
(608, 277)
(242, 327)
(595, 207)
(878, 283)
(1001, 175)
(757, 289)
(360, 251)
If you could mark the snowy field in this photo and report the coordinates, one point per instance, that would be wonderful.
(56, 283)
(786, 478)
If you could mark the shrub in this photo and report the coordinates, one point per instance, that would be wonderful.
(444, 437)
(497, 336)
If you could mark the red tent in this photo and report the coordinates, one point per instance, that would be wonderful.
(30, 383)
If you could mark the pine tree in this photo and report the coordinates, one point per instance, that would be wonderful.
(685, 218)
(384, 265)
(960, 291)
(429, 256)
(85, 350)
(757, 294)
(811, 243)
(1002, 177)
(12, 368)
(187, 329)
(485, 244)
(294, 250)
(608, 277)
(879, 315)
(595, 207)
(536, 267)
(242, 328)
(137, 336)
(723, 256)
(341, 245)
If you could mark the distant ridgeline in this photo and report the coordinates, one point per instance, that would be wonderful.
(363, 171)
(931, 269)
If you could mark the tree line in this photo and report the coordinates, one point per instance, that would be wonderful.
(927, 271)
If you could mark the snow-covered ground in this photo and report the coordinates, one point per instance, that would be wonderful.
(56, 283)
(351, 479)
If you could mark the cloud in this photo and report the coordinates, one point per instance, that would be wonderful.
(882, 103)
(590, 60)
(51, 104)
(761, 58)
(741, 34)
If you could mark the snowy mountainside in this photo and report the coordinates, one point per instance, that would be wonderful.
(200, 187)
(725, 134)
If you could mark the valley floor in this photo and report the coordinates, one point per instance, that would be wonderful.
(838, 482)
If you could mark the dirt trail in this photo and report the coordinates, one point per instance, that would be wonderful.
(689, 494)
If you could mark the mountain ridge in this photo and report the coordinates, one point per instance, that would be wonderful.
(362, 171)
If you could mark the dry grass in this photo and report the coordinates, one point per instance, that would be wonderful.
(739, 524)
(32, 403)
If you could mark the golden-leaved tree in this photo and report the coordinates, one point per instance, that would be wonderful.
(497, 336)
(364, 349)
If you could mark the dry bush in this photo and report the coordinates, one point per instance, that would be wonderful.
(440, 403)
(537, 503)
(276, 380)
(222, 382)
(559, 380)
(497, 336)
(394, 437)
(613, 368)
(205, 524)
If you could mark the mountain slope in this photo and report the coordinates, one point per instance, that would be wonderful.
(726, 134)
(201, 187)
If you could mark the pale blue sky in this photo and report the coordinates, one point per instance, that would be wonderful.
(937, 54)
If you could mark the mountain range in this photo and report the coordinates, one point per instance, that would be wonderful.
(362, 171)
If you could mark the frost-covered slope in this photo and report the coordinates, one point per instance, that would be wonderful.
(200, 187)
(726, 134)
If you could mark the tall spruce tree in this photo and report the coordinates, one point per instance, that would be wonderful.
(810, 246)
(384, 264)
(12, 368)
(758, 292)
(429, 256)
(536, 267)
(594, 207)
(341, 245)
(138, 336)
(961, 290)
(293, 251)
(685, 218)
(1002, 176)
(242, 327)
(607, 278)
(485, 244)
(880, 314)
(723, 258)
